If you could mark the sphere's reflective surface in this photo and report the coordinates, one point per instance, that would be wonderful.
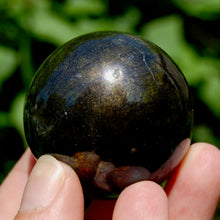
(112, 94)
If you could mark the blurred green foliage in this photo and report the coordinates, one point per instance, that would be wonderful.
(31, 30)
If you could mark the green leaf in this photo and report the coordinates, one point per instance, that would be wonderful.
(49, 26)
(210, 94)
(46, 25)
(128, 21)
(81, 8)
(16, 113)
(8, 63)
(204, 134)
(204, 9)
(4, 119)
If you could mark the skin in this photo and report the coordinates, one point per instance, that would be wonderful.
(192, 191)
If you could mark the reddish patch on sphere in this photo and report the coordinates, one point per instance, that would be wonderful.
(125, 175)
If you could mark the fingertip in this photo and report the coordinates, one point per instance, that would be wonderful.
(196, 182)
(142, 200)
(53, 191)
(70, 200)
(205, 146)
(203, 160)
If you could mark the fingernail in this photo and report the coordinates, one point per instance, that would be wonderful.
(43, 184)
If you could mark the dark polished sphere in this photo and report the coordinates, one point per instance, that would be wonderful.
(114, 94)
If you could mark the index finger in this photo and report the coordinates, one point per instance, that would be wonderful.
(12, 188)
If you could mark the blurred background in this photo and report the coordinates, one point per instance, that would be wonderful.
(31, 29)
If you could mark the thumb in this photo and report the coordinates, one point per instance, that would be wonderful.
(53, 191)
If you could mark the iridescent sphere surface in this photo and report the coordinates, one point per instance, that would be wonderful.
(114, 94)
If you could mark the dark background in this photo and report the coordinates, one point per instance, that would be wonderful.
(30, 30)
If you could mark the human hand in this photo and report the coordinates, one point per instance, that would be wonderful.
(51, 190)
